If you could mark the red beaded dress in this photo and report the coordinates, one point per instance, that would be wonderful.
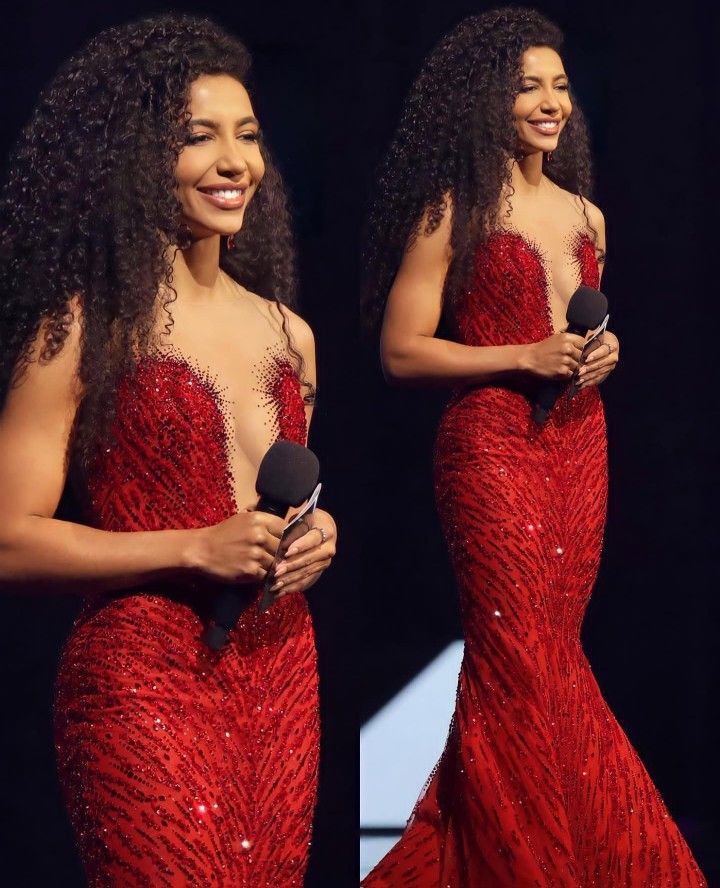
(538, 785)
(181, 767)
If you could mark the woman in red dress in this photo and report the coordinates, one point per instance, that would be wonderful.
(151, 358)
(483, 217)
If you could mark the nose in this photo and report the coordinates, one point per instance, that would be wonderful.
(231, 161)
(550, 102)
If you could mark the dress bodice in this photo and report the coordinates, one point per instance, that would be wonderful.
(168, 463)
(508, 301)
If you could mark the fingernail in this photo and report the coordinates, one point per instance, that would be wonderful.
(277, 586)
(292, 551)
(280, 569)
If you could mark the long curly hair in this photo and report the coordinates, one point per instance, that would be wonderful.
(89, 208)
(452, 146)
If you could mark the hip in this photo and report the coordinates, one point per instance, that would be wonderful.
(496, 414)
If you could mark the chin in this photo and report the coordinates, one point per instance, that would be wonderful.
(231, 227)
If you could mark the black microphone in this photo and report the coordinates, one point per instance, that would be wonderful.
(286, 477)
(586, 311)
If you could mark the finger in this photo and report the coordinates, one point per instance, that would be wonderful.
(263, 541)
(572, 350)
(606, 361)
(594, 356)
(575, 340)
(291, 576)
(272, 523)
(602, 354)
(299, 587)
(597, 367)
(593, 380)
(592, 375)
(305, 559)
(271, 544)
(265, 560)
(310, 540)
(290, 580)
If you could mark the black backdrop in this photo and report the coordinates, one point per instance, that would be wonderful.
(328, 87)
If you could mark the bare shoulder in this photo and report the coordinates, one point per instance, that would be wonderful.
(597, 220)
(435, 229)
(300, 331)
(583, 206)
(53, 357)
(279, 315)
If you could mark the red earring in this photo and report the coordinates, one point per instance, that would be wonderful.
(231, 242)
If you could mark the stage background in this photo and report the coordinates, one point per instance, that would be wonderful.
(329, 83)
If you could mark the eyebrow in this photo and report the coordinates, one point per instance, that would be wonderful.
(539, 79)
(212, 124)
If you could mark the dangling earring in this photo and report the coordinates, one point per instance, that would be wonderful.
(231, 242)
(549, 156)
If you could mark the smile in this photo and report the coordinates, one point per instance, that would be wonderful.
(225, 198)
(546, 127)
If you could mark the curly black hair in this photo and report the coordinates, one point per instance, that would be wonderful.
(452, 145)
(89, 208)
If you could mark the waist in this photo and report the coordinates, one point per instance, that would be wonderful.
(197, 593)
(512, 404)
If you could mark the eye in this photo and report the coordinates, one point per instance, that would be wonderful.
(196, 139)
(563, 86)
(527, 88)
(249, 136)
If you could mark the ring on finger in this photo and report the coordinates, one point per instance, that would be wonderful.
(322, 532)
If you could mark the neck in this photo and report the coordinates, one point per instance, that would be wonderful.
(196, 269)
(527, 173)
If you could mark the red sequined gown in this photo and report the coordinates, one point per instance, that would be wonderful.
(538, 785)
(180, 767)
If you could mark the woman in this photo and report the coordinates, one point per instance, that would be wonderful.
(150, 356)
(483, 217)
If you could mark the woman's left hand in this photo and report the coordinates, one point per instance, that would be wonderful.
(601, 361)
(307, 557)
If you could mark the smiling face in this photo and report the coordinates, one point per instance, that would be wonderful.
(220, 167)
(542, 107)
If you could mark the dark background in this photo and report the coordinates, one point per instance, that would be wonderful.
(329, 81)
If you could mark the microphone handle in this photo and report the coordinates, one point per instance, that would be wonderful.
(549, 392)
(232, 601)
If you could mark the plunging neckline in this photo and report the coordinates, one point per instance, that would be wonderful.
(576, 236)
(209, 382)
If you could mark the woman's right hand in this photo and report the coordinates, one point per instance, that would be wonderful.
(556, 357)
(240, 549)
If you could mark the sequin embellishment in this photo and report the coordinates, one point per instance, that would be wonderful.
(538, 784)
(180, 767)
(279, 388)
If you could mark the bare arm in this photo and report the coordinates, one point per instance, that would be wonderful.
(311, 554)
(35, 548)
(605, 357)
(411, 353)
(41, 552)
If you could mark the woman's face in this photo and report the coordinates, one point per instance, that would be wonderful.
(542, 107)
(220, 167)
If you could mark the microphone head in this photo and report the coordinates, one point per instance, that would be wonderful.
(288, 474)
(587, 309)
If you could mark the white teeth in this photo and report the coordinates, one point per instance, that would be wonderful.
(228, 194)
(546, 124)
